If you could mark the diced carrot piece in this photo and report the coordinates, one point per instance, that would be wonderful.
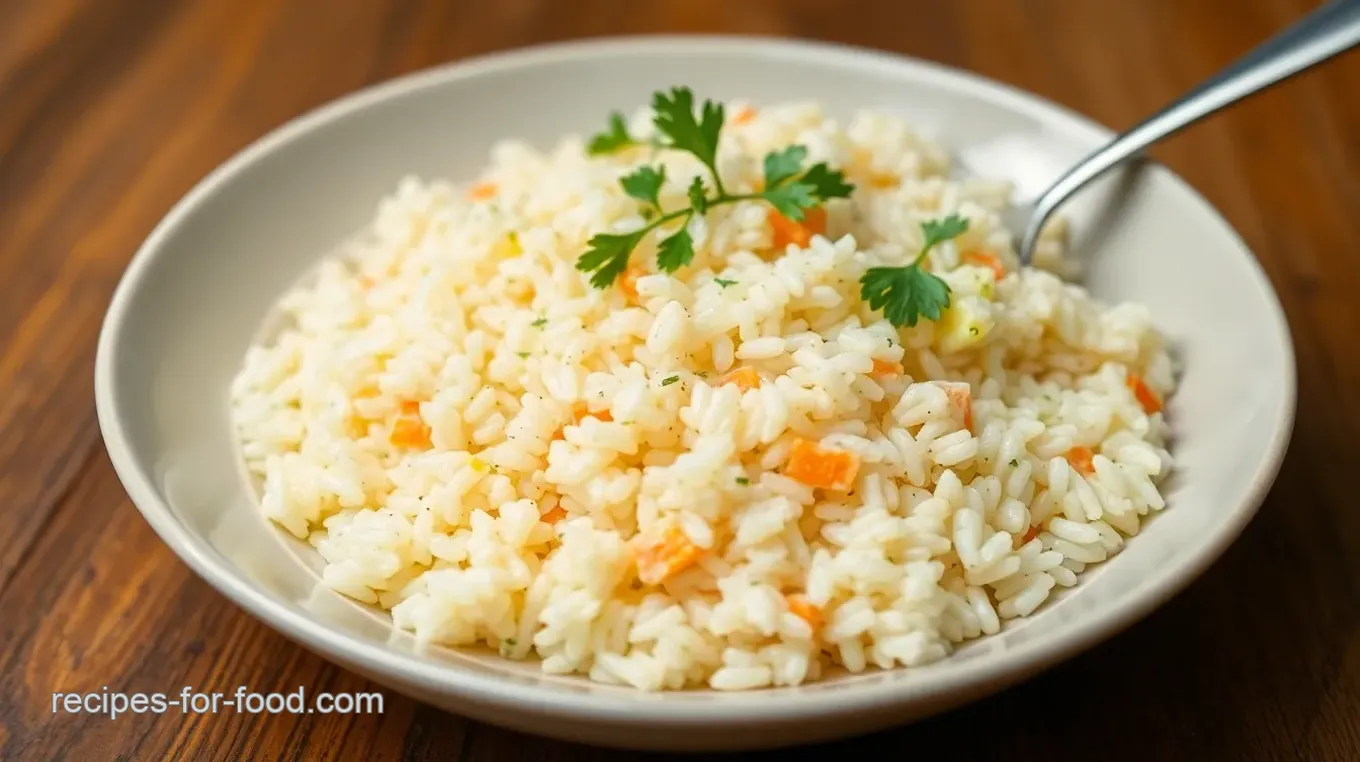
(744, 115)
(801, 608)
(961, 397)
(410, 431)
(662, 554)
(823, 467)
(628, 284)
(482, 191)
(787, 231)
(553, 516)
(884, 368)
(745, 377)
(986, 259)
(1030, 535)
(1081, 460)
(581, 412)
(410, 407)
(1145, 396)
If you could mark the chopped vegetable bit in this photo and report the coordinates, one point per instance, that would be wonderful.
(743, 115)
(553, 516)
(579, 413)
(745, 377)
(986, 259)
(482, 191)
(1030, 534)
(823, 467)
(743, 481)
(540, 322)
(667, 381)
(1081, 460)
(662, 553)
(787, 231)
(960, 398)
(628, 284)
(801, 608)
(724, 283)
(409, 430)
(1145, 396)
(1015, 463)
(886, 369)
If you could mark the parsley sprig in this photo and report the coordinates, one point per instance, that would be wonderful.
(909, 292)
(788, 187)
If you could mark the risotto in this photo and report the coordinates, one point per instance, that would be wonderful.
(674, 407)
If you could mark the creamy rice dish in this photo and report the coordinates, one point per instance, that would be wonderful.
(726, 395)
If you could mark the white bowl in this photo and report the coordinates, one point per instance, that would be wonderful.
(196, 293)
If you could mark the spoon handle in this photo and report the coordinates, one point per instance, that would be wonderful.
(1327, 31)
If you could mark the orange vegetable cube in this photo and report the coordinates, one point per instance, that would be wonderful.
(410, 431)
(787, 231)
(823, 467)
(553, 516)
(961, 398)
(628, 284)
(745, 377)
(579, 413)
(1030, 535)
(986, 259)
(1145, 396)
(1081, 460)
(801, 608)
(663, 553)
(886, 369)
(482, 191)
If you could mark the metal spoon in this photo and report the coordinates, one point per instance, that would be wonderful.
(1322, 34)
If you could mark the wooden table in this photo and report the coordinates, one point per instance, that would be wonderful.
(111, 109)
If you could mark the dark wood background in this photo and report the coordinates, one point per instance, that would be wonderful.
(111, 109)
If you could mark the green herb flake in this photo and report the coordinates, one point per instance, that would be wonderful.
(743, 481)
(613, 139)
(669, 380)
(724, 283)
(540, 322)
(907, 293)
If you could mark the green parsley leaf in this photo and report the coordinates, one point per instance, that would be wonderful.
(607, 256)
(791, 199)
(675, 120)
(698, 195)
(743, 481)
(540, 322)
(675, 251)
(612, 139)
(644, 184)
(939, 231)
(826, 182)
(907, 293)
(669, 380)
(724, 283)
(782, 165)
(904, 294)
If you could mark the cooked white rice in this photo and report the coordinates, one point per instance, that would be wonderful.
(467, 319)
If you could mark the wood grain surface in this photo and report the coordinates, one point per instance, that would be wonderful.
(111, 109)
